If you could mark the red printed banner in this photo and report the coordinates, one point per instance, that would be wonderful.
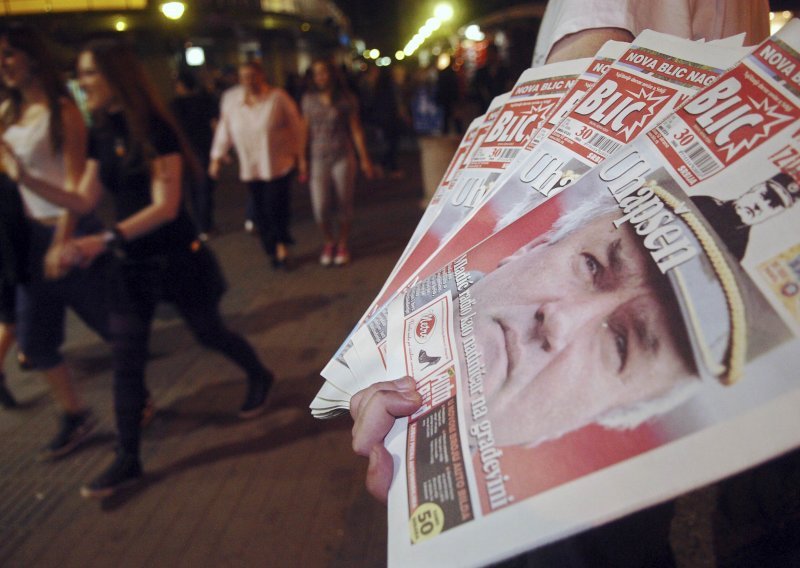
(670, 68)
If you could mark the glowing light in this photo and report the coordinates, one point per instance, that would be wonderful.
(474, 33)
(305, 26)
(433, 24)
(399, 55)
(195, 56)
(374, 53)
(778, 19)
(121, 25)
(443, 11)
(173, 10)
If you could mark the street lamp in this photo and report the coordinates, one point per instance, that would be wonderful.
(443, 12)
(173, 10)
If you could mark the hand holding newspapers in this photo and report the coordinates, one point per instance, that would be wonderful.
(619, 326)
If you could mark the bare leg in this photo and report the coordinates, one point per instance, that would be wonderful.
(327, 232)
(63, 389)
(344, 233)
(6, 341)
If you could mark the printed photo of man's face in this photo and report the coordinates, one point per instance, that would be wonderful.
(767, 199)
(573, 329)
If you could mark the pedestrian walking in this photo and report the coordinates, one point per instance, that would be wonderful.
(44, 132)
(196, 112)
(137, 154)
(335, 135)
(263, 124)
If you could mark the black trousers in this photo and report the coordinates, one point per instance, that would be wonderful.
(201, 194)
(272, 210)
(188, 280)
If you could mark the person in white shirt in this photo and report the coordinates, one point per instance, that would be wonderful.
(263, 124)
(572, 29)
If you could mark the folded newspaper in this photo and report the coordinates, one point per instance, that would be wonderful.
(631, 336)
(642, 85)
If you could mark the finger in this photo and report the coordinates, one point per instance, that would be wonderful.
(378, 417)
(362, 396)
(379, 473)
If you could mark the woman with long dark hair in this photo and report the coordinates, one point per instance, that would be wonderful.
(138, 155)
(334, 132)
(43, 128)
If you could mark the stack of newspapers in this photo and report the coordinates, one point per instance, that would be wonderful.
(600, 305)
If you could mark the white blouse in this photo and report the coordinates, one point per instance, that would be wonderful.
(31, 143)
(266, 135)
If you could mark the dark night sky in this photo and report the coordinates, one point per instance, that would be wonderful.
(389, 24)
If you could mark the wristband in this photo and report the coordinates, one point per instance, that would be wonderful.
(115, 241)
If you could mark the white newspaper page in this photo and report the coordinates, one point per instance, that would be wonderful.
(632, 338)
(535, 96)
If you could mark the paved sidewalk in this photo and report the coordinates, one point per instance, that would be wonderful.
(279, 490)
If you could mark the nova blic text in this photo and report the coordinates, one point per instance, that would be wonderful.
(670, 68)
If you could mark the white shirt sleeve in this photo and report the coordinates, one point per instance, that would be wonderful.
(692, 19)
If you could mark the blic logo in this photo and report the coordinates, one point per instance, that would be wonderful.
(735, 118)
(425, 327)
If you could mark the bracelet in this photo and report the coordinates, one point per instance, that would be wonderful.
(115, 241)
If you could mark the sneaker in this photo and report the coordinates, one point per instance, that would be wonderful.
(342, 256)
(123, 471)
(7, 399)
(75, 429)
(256, 399)
(326, 258)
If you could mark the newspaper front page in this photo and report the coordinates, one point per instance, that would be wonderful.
(633, 337)
(670, 67)
(633, 92)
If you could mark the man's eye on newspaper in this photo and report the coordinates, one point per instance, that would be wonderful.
(619, 335)
(592, 268)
